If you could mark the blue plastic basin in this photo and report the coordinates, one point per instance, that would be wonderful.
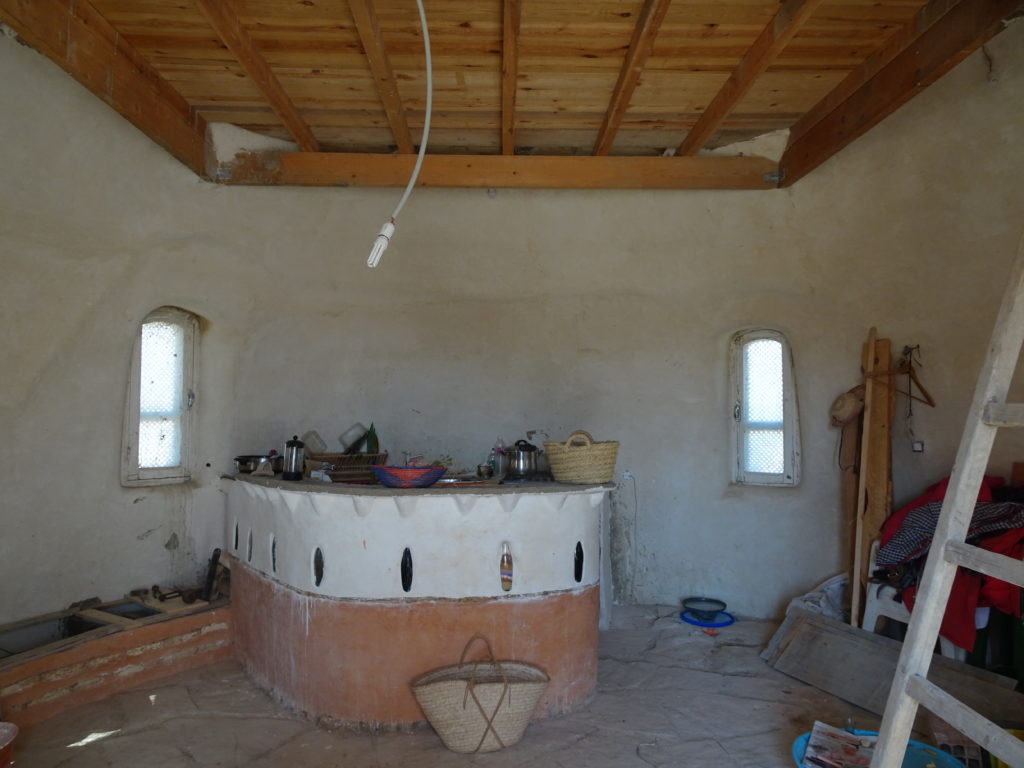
(918, 755)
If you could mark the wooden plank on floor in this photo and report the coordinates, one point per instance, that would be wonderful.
(858, 667)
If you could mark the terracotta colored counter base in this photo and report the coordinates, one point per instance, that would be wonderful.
(352, 661)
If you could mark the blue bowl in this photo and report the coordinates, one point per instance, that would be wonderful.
(918, 755)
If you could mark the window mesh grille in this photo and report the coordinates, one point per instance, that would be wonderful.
(160, 394)
(765, 451)
(764, 442)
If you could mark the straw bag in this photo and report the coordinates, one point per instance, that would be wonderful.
(480, 706)
(582, 460)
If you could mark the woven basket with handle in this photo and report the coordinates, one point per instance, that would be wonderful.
(480, 706)
(581, 459)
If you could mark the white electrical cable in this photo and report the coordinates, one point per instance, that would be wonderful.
(388, 229)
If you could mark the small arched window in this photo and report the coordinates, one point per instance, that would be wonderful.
(766, 427)
(158, 410)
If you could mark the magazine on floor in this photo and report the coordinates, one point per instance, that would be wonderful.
(830, 747)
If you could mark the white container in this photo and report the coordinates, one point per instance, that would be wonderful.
(314, 443)
(350, 435)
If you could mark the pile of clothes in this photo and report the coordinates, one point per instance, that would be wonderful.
(997, 526)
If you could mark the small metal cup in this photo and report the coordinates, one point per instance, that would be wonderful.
(484, 471)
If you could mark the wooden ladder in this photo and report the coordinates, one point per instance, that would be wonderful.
(989, 411)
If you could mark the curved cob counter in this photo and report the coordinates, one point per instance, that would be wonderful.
(342, 595)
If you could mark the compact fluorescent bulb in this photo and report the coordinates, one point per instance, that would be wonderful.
(381, 243)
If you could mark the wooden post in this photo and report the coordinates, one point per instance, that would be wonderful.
(878, 504)
(865, 453)
(874, 487)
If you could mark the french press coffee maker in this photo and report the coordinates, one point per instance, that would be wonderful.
(294, 459)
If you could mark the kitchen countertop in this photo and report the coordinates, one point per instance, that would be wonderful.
(487, 488)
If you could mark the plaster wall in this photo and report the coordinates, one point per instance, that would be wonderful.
(553, 310)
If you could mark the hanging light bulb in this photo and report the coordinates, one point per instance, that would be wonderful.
(381, 243)
(388, 229)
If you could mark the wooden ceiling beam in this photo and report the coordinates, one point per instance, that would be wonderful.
(328, 169)
(946, 41)
(511, 21)
(81, 42)
(368, 27)
(224, 19)
(648, 23)
(769, 44)
(896, 44)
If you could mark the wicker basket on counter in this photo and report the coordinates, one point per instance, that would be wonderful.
(350, 467)
(581, 459)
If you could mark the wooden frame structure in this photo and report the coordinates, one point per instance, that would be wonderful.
(531, 94)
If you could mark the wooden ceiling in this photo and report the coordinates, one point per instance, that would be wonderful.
(534, 93)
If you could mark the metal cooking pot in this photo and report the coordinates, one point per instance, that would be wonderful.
(522, 459)
(248, 462)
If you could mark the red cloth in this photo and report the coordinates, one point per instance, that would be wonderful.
(973, 590)
(936, 492)
(970, 590)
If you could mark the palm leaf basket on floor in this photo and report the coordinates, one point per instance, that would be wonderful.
(480, 706)
(581, 459)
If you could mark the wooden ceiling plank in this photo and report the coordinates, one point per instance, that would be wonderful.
(224, 19)
(651, 16)
(81, 42)
(949, 40)
(368, 27)
(502, 171)
(773, 39)
(511, 22)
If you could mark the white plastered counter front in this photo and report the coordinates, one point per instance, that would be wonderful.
(454, 537)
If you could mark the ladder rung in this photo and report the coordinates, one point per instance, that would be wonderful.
(990, 563)
(980, 730)
(1004, 415)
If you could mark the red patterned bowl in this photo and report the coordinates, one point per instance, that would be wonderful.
(408, 477)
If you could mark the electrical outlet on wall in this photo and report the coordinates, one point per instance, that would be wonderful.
(917, 446)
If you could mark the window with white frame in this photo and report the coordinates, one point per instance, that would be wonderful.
(158, 410)
(766, 427)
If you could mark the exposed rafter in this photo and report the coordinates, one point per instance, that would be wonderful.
(223, 17)
(773, 38)
(368, 28)
(162, 68)
(944, 43)
(895, 45)
(651, 16)
(505, 171)
(511, 18)
(88, 48)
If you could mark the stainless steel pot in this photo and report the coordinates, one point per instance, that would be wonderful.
(522, 460)
(248, 462)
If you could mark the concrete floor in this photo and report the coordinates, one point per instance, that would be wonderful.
(668, 695)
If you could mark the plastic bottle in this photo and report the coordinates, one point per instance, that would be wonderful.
(499, 457)
(506, 567)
